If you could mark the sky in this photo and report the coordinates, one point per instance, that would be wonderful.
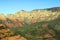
(12, 6)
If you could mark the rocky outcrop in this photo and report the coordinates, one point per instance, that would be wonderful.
(21, 17)
(6, 34)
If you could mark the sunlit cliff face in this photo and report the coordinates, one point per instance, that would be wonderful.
(42, 15)
(21, 17)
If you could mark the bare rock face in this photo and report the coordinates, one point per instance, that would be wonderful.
(6, 34)
(14, 38)
(21, 17)
(2, 17)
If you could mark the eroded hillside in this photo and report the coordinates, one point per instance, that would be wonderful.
(6, 34)
(33, 25)
(22, 17)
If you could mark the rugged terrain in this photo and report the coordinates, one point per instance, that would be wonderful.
(21, 17)
(39, 24)
(6, 34)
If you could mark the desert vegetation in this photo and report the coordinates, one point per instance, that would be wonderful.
(34, 25)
